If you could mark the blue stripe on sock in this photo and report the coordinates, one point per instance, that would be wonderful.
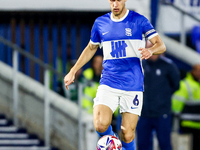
(129, 146)
(109, 131)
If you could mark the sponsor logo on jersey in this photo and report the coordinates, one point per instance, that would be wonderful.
(105, 33)
(134, 107)
(118, 49)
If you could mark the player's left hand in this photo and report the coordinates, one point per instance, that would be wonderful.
(145, 53)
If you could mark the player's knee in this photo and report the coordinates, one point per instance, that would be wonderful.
(128, 135)
(101, 126)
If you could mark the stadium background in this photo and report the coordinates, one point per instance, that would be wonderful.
(61, 29)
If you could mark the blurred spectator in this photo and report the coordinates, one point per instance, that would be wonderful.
(186, 105)
(92, 76)
(72, 93)
(161, 79)
(196, 37)
(62, 67)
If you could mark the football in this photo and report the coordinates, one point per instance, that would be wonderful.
(109, 142)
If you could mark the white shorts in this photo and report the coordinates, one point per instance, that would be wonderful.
(128, 101)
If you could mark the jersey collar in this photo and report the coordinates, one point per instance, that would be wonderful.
(121, 19)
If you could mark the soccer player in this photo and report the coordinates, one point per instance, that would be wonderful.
(120, 33)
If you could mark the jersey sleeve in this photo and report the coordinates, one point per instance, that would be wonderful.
(148, 29)
(95, 37)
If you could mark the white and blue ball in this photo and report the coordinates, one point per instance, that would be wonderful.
(109, 142)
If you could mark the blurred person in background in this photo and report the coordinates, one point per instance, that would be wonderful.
(196, 37)
(120, 33)
(91, 76)
(60, 65)
(186, 105)
(161, 80)
(72, 94)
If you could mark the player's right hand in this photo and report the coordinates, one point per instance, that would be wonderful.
(68, 79)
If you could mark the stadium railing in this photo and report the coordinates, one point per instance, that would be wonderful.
(183, 14)
(48, 42)
(47, 103)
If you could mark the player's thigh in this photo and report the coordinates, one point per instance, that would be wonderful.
(131, 101)
(105, 104)
(102, 115)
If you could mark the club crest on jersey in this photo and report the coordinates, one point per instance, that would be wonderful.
(128, 31)
(118, 49)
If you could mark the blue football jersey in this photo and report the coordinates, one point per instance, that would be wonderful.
(121, 39)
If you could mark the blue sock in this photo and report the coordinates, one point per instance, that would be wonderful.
(129, 146)
(109, 131)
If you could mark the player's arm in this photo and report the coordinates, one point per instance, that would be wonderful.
(85, 56)
(157, 48)
(158, 45)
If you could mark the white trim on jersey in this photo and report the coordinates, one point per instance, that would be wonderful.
(153, 35)
(96, 43)
(121, 19)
